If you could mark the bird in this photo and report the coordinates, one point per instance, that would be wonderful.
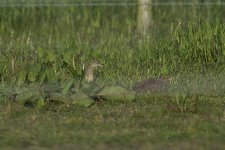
(86, 83)
(89, 71)
(152, 85)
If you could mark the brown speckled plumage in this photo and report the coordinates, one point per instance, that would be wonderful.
(152, 85)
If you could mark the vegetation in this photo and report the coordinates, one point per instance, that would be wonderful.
(43, 49)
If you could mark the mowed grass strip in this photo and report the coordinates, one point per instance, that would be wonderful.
(144, 123)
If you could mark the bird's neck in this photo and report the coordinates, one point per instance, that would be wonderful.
(89, 75)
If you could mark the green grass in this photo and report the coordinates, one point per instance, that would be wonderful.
(142, 124)
(37, 42)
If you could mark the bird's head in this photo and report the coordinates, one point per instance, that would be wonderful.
(95, 64)
(166, 78)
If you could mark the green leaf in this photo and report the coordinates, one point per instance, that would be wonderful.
(51, 75)
(32, 75)
(67, 85)
(60, 98)
(52, 87)
(40, 52)
(25, 94)
(89, 88)
(70, 68)
(42, 77)
(5, 89)
(67, 57)
(50, 56)
(116, 93)
(40, 103)
(81, 99)
(21, 78)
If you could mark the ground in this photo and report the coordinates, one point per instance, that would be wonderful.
(142, 124)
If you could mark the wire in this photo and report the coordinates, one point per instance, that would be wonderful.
(83, 4)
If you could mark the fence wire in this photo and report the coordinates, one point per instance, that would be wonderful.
(90, 4)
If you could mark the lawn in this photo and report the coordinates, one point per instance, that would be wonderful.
(146, 123)
(47, 46)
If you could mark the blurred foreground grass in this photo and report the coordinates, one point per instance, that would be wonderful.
(147, 123)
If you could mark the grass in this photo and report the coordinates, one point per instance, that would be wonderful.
(142, 124)
(37, 42)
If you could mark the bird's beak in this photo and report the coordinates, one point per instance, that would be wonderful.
(99, 65)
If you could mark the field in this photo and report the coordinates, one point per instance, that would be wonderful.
(47, 46)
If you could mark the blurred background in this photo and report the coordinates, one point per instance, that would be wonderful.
(132, 38)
